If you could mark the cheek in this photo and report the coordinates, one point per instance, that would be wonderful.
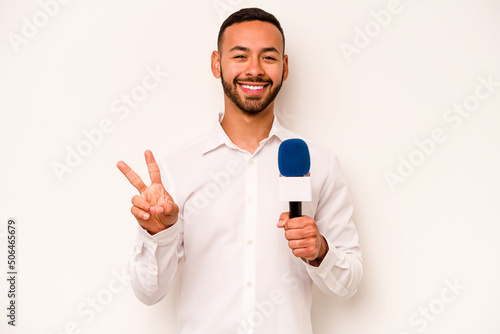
(275, 73)
(232, 71)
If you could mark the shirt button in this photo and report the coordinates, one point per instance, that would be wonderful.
(153, 267)
(249, 284)
(334, 287)
(250, 241)
(251, 162)
(250, 200)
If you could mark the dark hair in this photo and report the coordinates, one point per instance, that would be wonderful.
(249, 14)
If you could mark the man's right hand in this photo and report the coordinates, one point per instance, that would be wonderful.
(154, 208)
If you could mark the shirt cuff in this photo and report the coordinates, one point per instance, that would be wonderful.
(328, 262)
(324, 270)
(162, 238)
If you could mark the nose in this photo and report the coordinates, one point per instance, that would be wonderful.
(254, 67)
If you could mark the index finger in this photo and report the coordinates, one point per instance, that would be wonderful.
(131, 176)
(296, 223)
(154, 171)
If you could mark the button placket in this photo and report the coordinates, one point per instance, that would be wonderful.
(250, 223)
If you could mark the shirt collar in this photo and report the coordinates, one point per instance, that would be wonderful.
(218, 137)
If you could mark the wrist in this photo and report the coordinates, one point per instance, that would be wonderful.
(321, 255)
(323, 249)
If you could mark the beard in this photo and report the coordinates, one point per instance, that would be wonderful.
(252, 104)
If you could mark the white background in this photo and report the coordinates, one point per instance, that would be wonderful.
(438, 224)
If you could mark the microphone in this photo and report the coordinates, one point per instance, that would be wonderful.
(294, 163)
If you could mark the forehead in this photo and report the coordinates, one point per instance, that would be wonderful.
(253, 35)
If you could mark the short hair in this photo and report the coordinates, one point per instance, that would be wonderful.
(249, 14)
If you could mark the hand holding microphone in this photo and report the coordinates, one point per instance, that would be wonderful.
(301, 231)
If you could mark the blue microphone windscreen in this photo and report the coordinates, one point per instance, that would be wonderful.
(293, 158)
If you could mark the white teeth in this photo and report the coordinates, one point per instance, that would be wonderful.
(252, 87)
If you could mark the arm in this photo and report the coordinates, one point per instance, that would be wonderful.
(154, 263)
(331, 236)
(158, 249)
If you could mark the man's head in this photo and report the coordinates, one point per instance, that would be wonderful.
(246, 15)
(250, 60)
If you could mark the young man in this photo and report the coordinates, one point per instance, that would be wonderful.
(212, 209)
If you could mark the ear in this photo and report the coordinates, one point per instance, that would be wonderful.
(285, 67)
(216, 64)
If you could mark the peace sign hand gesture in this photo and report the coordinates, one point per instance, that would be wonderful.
(154, 208)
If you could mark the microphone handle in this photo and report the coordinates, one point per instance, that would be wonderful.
(295, 209)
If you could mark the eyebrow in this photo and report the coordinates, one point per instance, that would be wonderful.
(245, 49)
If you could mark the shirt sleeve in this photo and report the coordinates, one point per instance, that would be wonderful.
(154, 263)
(156, 258)
(341, 269)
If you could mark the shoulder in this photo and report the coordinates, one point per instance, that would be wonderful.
(186, 153)
(193, 146)
(182, 159)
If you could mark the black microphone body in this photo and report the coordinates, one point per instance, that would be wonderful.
(295, 209)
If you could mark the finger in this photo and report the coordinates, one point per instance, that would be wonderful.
(170, 208)
(297, 223)
(139, 214)
(297, 244)
(131, 176)
(283, 219)
(154, 171)
(299, 234)
(141, 203)
(303, 249)
(304, 253)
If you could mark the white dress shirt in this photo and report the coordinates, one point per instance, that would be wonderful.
(238, 274)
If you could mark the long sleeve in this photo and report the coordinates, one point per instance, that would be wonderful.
(341, 270)
(156, 258)
(154, 263)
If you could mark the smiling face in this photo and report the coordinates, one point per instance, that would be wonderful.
(251, 65)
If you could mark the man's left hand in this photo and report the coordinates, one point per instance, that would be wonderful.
(303, 237)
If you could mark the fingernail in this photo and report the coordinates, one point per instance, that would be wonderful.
(145, 216)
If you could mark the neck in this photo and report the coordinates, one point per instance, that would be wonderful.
(247, 130)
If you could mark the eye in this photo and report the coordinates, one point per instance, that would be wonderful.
(269, 58)
(239, 56)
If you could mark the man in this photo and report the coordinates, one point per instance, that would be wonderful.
(212, 209)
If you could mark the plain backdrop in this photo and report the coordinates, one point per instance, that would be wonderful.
(379, 82)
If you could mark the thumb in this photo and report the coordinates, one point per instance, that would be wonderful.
(283, 219)
(169, 208)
